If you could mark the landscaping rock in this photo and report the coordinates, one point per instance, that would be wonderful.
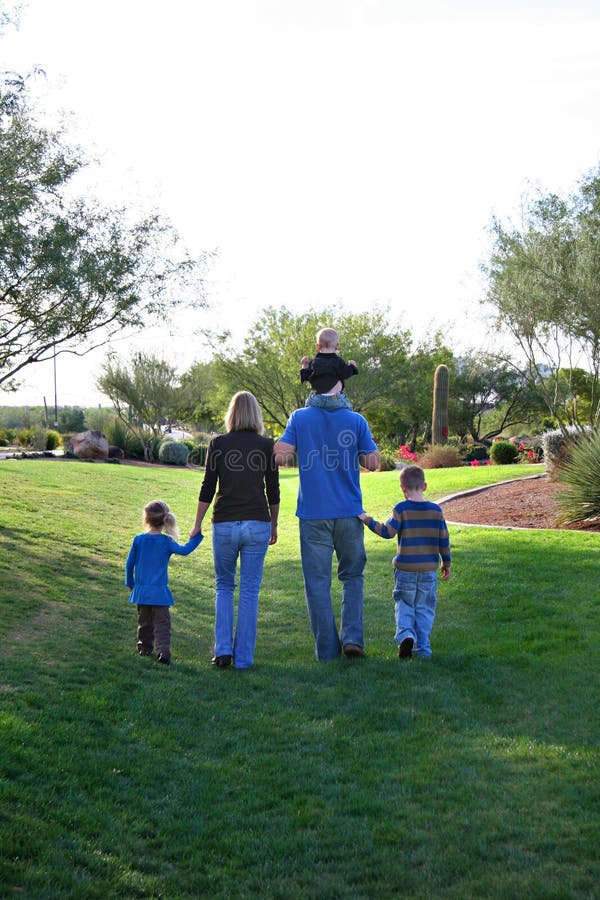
(89, 445)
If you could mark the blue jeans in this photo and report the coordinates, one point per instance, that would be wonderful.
(248, 541)
(319, 538)
(414, 601)
(329, 401)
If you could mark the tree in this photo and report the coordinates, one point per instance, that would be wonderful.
(483, 384)
(202, 400)
(71, 419)
(544, 284)
(269, 362)
(72, 273)
(143, 394)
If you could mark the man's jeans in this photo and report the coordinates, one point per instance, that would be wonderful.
(248, 540)
(319, 538)
(414, 602)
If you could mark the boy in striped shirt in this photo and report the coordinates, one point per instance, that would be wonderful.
(422, 539)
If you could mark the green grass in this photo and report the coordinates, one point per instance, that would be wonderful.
(473, 774)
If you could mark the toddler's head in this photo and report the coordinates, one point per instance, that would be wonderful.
(158, 515)
(328, 340)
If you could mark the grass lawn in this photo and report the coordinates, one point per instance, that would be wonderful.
(473, 774)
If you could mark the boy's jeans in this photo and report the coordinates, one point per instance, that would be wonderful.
(249, 540)
(414, 600)
(319, 538)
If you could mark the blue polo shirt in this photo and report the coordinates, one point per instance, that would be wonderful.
(328, 444)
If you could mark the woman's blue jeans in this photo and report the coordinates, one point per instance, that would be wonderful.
(248, 541)
(415, 595)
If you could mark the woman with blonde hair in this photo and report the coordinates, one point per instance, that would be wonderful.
(241, 470)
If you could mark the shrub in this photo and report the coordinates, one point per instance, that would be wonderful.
(173, 453)
(39, 438)
(441, 457)
(25, 437)
(580, 503)
(200, 447)
(477, 452)
(118, 435)
(52, 440)
(387, 462)
(557, 447)
(503, 453)
(406, 455)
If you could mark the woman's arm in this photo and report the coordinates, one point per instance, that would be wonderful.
(200, 513)
(274, 510)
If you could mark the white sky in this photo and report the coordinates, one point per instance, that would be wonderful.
(332, 151)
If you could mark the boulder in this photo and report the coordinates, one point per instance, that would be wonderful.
(90, 445)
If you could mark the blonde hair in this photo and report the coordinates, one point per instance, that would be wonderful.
(327, 337)
(243, 413)
(412, 478)
(158, 515)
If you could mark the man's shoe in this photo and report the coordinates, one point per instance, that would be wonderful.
(353, 651)
(221, 662)
(164, 659)
(405, 648)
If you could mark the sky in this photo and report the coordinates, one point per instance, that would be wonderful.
(342, 153)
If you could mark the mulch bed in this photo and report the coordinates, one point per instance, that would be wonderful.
(529, 503)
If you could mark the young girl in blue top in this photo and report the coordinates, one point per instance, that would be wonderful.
(146, 576)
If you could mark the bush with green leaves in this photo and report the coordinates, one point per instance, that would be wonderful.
(579, 504)
(25, 437)
(53, 439)
(558, 445)
(503, 453)
(476, 451)
(173, 453)
(200, 448)
(118, 435)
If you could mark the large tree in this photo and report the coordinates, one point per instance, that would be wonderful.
(72, 273)
(483, 383)
(143, 392)
(544, 285)
(269, 362)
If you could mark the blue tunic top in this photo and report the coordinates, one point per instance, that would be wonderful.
(146, 568)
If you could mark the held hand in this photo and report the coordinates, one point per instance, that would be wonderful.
(305, 361)
(196, 530)
(445, 573)
(363, 517)
(352, 363)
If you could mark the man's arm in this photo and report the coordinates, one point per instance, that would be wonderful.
(283, 453)
(370, 461)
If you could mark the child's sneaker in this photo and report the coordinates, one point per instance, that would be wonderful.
(405, 648)
(164, 659)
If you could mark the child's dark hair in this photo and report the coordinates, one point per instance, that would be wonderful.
(158, 515)
(412, 478)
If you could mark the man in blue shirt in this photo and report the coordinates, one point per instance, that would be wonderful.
(331, 446)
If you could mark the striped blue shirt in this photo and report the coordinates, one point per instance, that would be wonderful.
(422, 535)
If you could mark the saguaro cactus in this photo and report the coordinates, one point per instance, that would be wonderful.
(439, 422)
